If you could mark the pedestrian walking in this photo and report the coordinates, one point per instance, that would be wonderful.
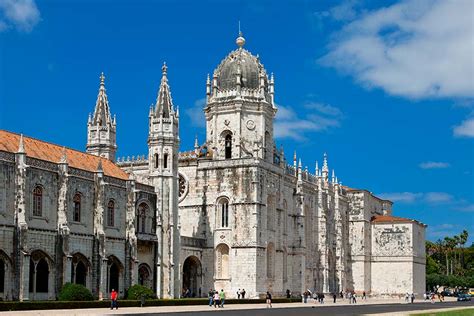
(354, 298)
(238, 294)
(210, 295)
(288, 293)
(243, 293)
(363, 296)
(216, 299)
(406, 297)
(342, 294)
(305, 297)
(412, 297)
(269, 300)
(334, 296)
(222, 297)
(113, 298)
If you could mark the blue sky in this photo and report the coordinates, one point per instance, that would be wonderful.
(386, 88)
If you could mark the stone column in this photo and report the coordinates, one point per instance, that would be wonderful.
(24, 293)
(103, 279)
(67, 270)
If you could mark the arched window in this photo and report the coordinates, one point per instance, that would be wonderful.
(228, 146)
(110, 213)
(165, 161)
(223, 209)
(144, 275)
(39, 273)
(141, 217)
(77, 208)
(270, 212)
(270, 260)
(38, 201)
(156, 161)
(2, 275)
(222, 261)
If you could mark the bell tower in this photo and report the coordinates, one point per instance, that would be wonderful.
(163, 147)
(101, 127)
(240, 107)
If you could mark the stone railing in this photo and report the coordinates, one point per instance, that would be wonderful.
(193, 242)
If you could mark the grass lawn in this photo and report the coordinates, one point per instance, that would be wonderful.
(459, 312)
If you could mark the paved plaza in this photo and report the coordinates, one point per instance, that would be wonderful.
(369, 307)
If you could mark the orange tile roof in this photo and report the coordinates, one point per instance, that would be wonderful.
(392, 219)
(50, 152)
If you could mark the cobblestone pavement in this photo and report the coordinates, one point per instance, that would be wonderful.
(369, 307)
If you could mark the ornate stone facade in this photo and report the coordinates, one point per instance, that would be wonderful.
(230, 214)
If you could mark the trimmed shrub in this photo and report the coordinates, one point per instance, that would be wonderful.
(136, 291)
(75, 292)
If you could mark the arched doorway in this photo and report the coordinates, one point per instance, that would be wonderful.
(114, 271)
(2, 276)
(39, 276)
(192, 276)
(144, 275)
(79, 269)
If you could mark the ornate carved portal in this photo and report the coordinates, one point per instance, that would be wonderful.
(192, 277)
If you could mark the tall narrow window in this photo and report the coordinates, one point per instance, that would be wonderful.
(228, 146)
(222, 261)
(141, 217)
(270, 260)
(110, 213)
(38, 201)
(156, 161)
(165, 161)
(77, 208)
(224, 212)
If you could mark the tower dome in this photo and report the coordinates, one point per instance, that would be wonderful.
(241, 73)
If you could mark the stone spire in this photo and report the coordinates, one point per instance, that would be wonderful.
(164, 103)
(21, 145)
(101, 127)
(325, 169)
(333, 178)
(316, 169)
(102, 115)
(63, 159)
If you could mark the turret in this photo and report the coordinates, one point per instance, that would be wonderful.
(101, 127)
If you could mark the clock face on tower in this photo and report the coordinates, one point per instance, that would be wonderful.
(182, 187)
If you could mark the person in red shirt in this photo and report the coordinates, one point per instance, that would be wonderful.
(113, 297)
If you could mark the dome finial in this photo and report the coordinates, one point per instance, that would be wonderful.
(240, 41)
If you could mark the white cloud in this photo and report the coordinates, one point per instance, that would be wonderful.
(466, 129)
(434, 165)
(438, 197)
(321, 117)
(404, 197)
(466, 208)
(196, 113)
(21, 14)
(415, 49)
(411, 197)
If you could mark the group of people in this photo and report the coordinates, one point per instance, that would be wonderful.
(241, 294)
(409, 297)
(216, 298)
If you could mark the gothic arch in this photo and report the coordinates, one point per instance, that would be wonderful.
(222, 253)
(145, 276)
(192, 276)
(41, 275)
(226, 140)
(37, 200)
(144, 217)
(270, 212)
(223, 212)
(114, 274)
(5, 275)
(270, 260)
(80, 269)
